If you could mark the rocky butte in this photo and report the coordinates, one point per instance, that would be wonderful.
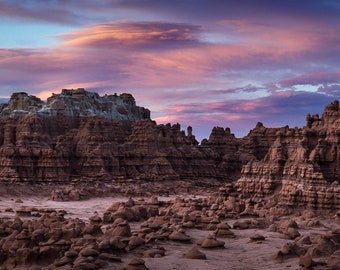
(79, 135)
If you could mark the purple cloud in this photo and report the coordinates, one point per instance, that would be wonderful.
(47, 11)
(276, 110)
(331, 89)
(314, 78)
(247, 89)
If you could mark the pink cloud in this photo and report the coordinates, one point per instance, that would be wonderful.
(131, 34)
(314, 78)
(94, 62)
(331, 89)
(293, 38)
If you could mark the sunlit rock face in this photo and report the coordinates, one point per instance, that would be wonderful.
(79, 135)
(75, 133)
(76, 103)
(302, 165)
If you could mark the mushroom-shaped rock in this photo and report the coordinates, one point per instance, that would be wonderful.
(104, 244)
(121, 228)
(179, 236)
(93, 229)
(303, 241)
(154, 253)
(246, 224)
(71, 253)
(126, 213)
(153, 237)
(223, 230)
(194, 253)
(87, 252)
(210, 242)
(135, 241)
(291, 233)
(97, 220)
(306, 261)
(136, 264)
(153, 201)
(257, 238)
(290, 250)
(117, 243)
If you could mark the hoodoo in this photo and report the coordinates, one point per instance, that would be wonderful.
(81, 135)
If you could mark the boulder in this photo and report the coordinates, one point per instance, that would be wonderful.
(194, 253)
(210, 242)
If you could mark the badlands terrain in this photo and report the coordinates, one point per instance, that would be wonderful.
(91, 182)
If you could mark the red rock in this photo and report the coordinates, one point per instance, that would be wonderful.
(81, 135)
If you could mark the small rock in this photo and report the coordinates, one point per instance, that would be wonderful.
(210, 242)
(306, 260)
(87, 252)
(135, 241)
(194, 253)
(292, 233)
(136, 264)
(257, 238)
(154, 253)
(179, 236)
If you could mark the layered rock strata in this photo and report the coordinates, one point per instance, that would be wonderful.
(81, 135)
(301, 166)
(74, 103)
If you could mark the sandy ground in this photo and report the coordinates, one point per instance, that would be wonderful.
(239, 253)
(74, 209)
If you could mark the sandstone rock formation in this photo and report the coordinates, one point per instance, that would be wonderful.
(79, 135)
(75, 133)
(301, 166)
(76, 103)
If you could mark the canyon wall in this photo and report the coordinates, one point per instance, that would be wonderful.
(301, 166)
(79, 135)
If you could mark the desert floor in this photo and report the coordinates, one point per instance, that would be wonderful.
(239, 252)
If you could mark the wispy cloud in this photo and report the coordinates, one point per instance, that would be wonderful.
(314, 78)
(276, 110)
(132, 34)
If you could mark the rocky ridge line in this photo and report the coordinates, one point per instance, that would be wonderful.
(76, 103)
(298, 166)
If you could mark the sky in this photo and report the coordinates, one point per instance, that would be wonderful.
(202, 63)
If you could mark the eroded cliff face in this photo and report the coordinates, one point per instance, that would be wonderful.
(302, 166)
(79, 135)
(75, 134)
(75, 103)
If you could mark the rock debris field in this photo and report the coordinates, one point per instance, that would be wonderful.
(214, 229)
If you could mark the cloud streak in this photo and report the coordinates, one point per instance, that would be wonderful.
(132, 34)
